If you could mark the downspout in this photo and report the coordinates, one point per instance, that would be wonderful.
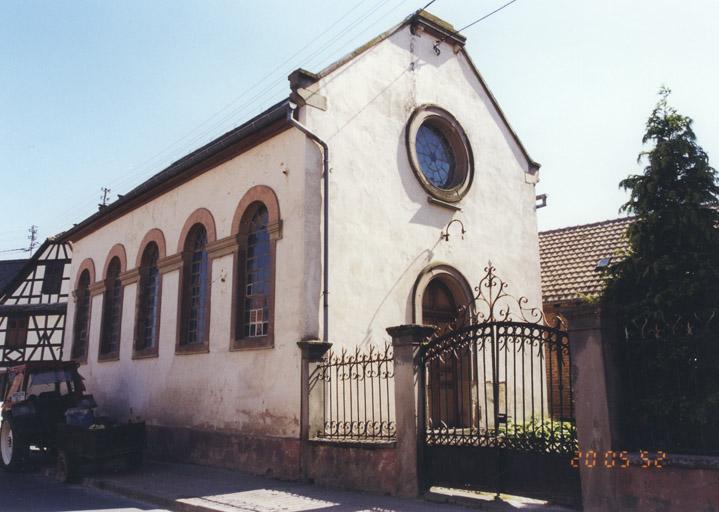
(326, 210)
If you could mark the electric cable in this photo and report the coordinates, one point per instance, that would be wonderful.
(440, 41)
(142, 170)
(275, 88)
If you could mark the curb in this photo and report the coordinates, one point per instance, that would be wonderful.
(446, 499)
(132, 493)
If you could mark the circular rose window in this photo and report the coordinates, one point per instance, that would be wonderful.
(439, 153)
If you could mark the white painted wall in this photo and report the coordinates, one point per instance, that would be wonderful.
(383, 231)
(250, 390)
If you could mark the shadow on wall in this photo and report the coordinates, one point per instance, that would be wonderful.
(424, 257)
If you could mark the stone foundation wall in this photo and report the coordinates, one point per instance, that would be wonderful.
(670, 488)
(368, 467)
(683, 483)
(275, 457)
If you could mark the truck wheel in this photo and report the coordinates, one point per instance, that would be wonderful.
(133, 460)
(14, 450)
(66, 468)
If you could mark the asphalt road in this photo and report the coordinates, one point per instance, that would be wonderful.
(34, 492)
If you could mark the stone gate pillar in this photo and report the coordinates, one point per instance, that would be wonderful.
(310, 410)
(591, 332)
(405, 341)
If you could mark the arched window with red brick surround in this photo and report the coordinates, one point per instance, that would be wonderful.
(111, 312)
(257, 226)
(147, 319)
(195, 301)
(81, 324)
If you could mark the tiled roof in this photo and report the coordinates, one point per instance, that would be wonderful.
(569, 258)
(8, 271)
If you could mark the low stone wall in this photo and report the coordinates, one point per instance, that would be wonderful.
(688, 483)
(270, 456)
(672, 488)
(368, 467)
(683, 483)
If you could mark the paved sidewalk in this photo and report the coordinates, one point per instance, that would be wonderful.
(189, 488)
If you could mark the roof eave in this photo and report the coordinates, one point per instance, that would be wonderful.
(270, 122)
(532, 165)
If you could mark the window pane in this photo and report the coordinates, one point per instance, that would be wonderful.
(195, 286)
(82, 316)
(435, 156)
(16, 334)
(147, 310)
(255, 302)
(52, 280)
(112, 314)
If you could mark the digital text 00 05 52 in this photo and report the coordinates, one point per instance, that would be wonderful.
(611, 459)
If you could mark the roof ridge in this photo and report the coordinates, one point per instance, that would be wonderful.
(590, 225)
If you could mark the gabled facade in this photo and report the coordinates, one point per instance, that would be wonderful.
(33, 302)
(373, 196)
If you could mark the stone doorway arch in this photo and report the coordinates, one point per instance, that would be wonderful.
(443, 298)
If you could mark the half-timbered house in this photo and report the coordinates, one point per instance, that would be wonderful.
(33, 302)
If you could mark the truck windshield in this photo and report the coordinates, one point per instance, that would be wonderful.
(50, 377)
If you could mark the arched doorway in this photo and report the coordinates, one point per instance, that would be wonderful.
(443, 299)
(439, 306)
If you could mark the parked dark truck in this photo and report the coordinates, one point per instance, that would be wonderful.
(44, 405)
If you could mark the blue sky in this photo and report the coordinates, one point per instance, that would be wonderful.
(97, 93)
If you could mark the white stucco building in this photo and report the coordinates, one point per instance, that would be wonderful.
(202, 280)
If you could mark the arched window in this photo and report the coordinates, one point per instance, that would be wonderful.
(111, 312)
(254, 290)
(257, 224)
(195, 290)
(148, 302)
(255, 275)
(81, 325)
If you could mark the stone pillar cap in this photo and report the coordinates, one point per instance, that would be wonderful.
(314, 350)
(415, 330)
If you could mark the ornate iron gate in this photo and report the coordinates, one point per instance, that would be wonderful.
(497, 407)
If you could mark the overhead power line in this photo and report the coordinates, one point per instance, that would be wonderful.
(33, 241)
(425, 7)
(440, 41)
(221, 117)
(267, 87)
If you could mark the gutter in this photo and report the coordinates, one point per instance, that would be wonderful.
(325, 207)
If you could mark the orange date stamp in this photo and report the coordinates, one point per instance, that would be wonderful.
(612, 459)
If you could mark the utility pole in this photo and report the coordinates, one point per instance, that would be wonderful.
(32, 237)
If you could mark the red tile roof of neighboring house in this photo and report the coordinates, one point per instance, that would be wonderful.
(569, 258)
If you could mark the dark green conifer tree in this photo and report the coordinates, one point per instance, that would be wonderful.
(666, 292)
(673, 267)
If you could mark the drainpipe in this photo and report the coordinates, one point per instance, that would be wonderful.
(326, 222)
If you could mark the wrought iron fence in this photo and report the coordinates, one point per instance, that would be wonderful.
(358, 394)
(500, 377)
(669, 389)
(500, 384)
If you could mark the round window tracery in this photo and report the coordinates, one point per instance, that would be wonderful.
(436, 159)
(439, 153)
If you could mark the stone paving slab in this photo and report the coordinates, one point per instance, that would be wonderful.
(190, 488)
